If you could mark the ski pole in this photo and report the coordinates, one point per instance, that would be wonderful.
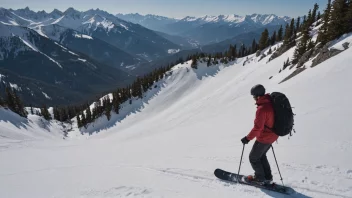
(239, 168)
(277, 165)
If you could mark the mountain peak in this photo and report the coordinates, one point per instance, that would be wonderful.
(42, 12)
(71, 10)
(56, 11)
(25, 10)
(189, 18)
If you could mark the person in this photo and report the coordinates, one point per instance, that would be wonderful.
(263, 122)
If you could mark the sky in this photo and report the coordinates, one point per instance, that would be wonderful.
(175, 8)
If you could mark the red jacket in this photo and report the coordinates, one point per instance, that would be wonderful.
(264, 117)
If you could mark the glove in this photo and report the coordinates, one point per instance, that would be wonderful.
(245, 140)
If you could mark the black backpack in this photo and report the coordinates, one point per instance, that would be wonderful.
(284, 121)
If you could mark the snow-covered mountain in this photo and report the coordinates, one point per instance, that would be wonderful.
(226, 26)
(94, 48)
(168, 143)
(150, 21)
(260, 19)
(132, 38)
(25, 54)
(39, 16)
(201, 29)
(48, 26)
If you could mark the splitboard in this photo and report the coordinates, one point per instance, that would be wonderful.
(233, 177)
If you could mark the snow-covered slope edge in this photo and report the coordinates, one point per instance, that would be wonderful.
(16, 129)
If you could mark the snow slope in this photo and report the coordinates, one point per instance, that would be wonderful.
(189, 125)
(20, 132)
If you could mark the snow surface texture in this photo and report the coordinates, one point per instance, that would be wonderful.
(169, 143)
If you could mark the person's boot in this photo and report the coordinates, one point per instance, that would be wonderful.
(268, 180)
(254, 179)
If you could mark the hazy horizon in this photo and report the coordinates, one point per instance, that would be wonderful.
(173, 9)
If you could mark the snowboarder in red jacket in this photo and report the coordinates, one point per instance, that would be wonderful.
(263, 122)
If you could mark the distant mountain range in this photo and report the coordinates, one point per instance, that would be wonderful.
(207, 29)
(76, 54)
(54, 73)
(82, 54)
(134, 39)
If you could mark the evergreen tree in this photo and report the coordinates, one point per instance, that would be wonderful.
(116, 102)
(71, 112)
(45, 113)
(298, 24)
(273, 39)
(270, 51)
(349, 17)
(318, 16)
(287, 36)
(323, 32)
(19, 108)
(194, 63)
(302, 46)
(292, 29)
(311, 45)
(89, 118)
(254, 46)
(338, 25)
(137, 85)
(235, 54)
(309, 19)
(231, 53)
(209, 61)
(242, 51)
(314, 13)
(280, 34)
(304, 22)
(32, 112)
(79, 123)
(10, 99)
(108, 108)
(263, 42)
(83, 120)
(268, 43)
(63, 115)
(56, 113)
(2, 102)
(14, 102)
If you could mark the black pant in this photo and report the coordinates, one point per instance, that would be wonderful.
(259, 162)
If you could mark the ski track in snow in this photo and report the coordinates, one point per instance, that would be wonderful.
(208, 180)
(120, 191)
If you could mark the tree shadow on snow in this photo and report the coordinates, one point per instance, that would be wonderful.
(211, 71)
(13, 118)
(127, 109)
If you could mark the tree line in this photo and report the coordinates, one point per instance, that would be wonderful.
(13, 102)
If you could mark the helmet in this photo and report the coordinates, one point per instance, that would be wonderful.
(258, 90)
